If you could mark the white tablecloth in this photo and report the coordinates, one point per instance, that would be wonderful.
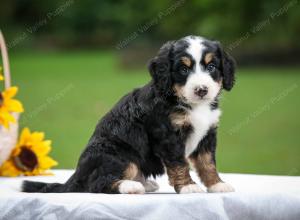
(256, 197)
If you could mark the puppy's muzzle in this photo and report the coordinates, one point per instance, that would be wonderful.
(201, 91)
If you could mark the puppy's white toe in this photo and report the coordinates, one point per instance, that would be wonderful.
(151, 186)
(131, 187)
(220, 187)
(191, 188)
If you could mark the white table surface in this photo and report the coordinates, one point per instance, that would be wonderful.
(256, 197)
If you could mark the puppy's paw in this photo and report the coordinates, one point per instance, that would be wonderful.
(131, 187)
(191, 188)
(220, 187)
(151, 186)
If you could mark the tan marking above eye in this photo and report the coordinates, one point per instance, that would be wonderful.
(186, 61)
(178, 91)
(208, 58)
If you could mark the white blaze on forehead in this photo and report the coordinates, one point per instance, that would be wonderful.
(196, 49)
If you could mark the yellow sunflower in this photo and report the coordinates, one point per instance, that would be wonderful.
(29, 157)
(9, 105)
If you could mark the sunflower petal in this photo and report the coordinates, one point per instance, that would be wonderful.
(13, 105)
(24, 137)
(46, 163)
(9, 169)
(9, 105)
(10, 92)
(6, 118)
(41, 149)
(37, 136)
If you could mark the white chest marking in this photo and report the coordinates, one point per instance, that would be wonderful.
(202, 118)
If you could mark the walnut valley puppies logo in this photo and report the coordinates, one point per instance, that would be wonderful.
(48, 102)
(40, 23)
(263, 109)
(263, 24)
(149, 24)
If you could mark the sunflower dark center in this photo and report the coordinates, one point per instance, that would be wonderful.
(26, 160)
(1, 99)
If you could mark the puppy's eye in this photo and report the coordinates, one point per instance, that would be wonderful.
(211, 67)
(184, 70)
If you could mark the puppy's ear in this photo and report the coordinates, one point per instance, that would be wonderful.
(160, 68)
(228, 69)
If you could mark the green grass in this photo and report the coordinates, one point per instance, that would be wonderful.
(65, 94)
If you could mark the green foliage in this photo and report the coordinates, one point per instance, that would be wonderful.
(108, 22)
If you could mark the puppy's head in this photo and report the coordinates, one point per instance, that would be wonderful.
(193, 68)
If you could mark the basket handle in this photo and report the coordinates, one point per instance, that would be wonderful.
(6, 70)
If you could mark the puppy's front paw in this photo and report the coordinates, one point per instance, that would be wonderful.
(220, 187)
(191, 188)
(131, 187)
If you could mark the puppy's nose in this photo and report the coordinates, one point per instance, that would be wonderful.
(201, 91)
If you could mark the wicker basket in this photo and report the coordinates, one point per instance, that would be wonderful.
(8, 137)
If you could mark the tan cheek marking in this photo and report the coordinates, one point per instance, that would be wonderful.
(187, 61)
(208, 58)
(178, 91)
(206, 169)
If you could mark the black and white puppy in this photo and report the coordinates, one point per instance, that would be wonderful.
(160, 127)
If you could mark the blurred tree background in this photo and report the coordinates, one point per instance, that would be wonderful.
(247, 28)
(74, 59)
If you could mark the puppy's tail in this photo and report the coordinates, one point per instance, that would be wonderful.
(30, 186)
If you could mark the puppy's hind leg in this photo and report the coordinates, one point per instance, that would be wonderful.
(97, 173)
(130, 183)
